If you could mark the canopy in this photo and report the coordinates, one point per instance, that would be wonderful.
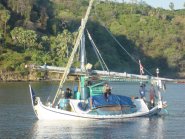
(112, 100)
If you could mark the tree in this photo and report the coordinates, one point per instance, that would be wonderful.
(171, 5)
(1, 34)
(22, 7)
(43, 17)
(4, 17)
(23, 37)
(61, 46)
(45, 43)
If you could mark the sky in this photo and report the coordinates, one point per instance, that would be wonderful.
(178, 4)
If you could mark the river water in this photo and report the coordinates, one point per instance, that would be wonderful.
(17, 119)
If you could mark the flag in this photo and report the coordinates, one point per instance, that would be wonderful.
(141, 68)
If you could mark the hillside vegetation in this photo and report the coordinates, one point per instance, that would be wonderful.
(44, 31)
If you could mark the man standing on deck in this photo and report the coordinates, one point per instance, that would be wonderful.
(152, 96)
(142, 91)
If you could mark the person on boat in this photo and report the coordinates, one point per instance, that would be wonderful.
(68, 93)
(106, 91)
(106, 87)
(152, 95)
(142, 91)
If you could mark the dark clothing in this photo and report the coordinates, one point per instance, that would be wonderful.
(106, 94)
(68, 93)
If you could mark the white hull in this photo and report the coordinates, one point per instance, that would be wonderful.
(48, 113)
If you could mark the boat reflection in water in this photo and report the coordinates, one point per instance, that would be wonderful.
(144, 127)
(151, 128)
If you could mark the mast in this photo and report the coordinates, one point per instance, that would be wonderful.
(82, 52)
(70, 61)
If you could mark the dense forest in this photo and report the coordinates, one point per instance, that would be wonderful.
(44, 31)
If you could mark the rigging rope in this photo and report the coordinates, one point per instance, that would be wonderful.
(119, 44)
(102, 62)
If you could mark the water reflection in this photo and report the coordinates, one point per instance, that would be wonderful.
(151, 127)
(128, 128)
(62, 129)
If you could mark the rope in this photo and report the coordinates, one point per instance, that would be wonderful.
(102, 62)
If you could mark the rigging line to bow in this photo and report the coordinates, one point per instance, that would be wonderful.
(119, 42)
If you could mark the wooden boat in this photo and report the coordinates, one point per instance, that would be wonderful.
(90, 101)
(73, 111)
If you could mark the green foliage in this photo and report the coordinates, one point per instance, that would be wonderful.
(22, 70)
(4, 17)
(24, 38)
(35, 32)
(10, 61)
(37, 57)
(62, 44)
(1, 34)
(22, 7)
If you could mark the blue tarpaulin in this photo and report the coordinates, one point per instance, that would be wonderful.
(100, 100)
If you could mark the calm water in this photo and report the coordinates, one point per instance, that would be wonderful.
(17, 119)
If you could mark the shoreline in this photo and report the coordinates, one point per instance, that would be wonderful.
(71, 78)
(35, 76)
